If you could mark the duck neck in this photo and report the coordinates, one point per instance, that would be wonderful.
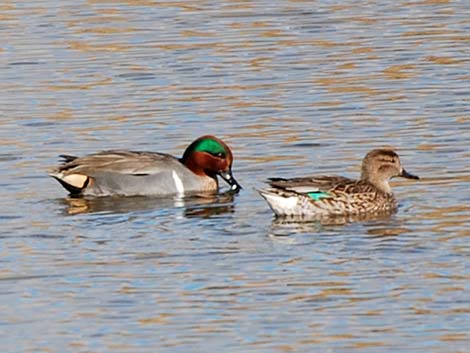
(380, 183)
(194, 163)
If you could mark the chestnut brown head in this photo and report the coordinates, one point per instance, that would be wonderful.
(210, 156)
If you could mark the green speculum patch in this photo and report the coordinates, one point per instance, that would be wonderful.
(318, 195)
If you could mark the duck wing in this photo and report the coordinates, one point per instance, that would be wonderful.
(119, 172)
(303, 185)
(117, 161)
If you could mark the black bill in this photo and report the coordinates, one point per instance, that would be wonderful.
(228, 177)
(407, 175)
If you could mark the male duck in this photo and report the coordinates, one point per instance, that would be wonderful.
(130, 173)
(320, 196)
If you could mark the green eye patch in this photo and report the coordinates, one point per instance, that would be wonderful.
(210, 146)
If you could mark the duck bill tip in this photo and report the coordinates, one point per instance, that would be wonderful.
(405, 174)
(230, 180)
(235, 187)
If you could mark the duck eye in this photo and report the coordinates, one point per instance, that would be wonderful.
(220, 155)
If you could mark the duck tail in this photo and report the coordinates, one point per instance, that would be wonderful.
(73, 183)
(282, 204)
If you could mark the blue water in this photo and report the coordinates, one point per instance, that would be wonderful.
(295, 88)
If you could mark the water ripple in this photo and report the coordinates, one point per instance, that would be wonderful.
(294, 89)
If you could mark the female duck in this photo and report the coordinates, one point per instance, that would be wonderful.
(320, 196)
(130, 173)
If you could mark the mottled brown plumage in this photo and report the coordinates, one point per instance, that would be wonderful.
(337, 195)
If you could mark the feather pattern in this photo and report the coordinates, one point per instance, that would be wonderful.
(119, 172)
(117, 161)
(129, 173)
(346, 197)
(335, 195)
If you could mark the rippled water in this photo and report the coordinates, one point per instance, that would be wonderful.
(295, 88)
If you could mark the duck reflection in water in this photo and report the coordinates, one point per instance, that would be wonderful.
(289, 225)
(201, 205)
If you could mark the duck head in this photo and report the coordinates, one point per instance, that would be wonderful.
(380, 165)
(210, 156)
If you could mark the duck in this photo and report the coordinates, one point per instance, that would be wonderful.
(141, 173)
(333, 195)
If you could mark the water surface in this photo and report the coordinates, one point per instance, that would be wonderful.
(295, 88)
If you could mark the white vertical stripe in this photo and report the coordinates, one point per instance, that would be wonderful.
(178, 183)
